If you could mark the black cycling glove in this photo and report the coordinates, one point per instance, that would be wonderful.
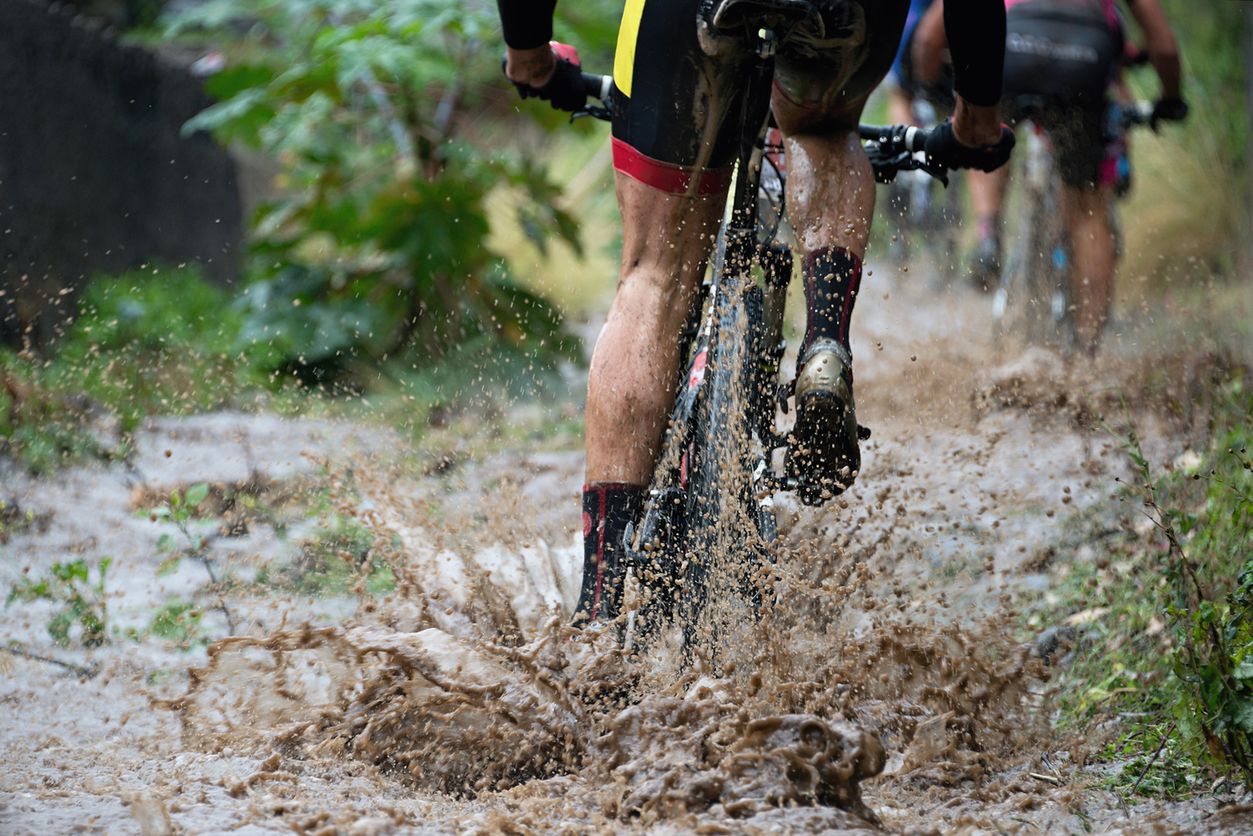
(564, 91)
(1168, 110)
(944, 148)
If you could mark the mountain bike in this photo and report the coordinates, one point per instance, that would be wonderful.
(1034, 299)
(708, 520)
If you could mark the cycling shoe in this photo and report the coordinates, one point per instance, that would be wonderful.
(823, 454)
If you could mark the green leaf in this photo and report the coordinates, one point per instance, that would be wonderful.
(59, 627)
(169, 566)
(197, 494)
(1243, 716)
(71, 572)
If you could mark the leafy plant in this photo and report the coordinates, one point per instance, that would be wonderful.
(1171, 641)
(1213, 655)
(337, 559)
(180, 509)
(82, 616)
(376, 242)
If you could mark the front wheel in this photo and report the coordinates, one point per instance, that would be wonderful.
(729, 530)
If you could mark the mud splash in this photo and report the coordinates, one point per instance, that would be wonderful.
(466, 682)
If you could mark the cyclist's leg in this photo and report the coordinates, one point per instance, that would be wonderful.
(818, 103)
(634, 365)
(1093, 249)
(987, 199)
(1086, 199)
(672, 172)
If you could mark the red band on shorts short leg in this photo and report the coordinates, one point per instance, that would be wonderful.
(668, 177)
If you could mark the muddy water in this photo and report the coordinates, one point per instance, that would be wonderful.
(884, 685)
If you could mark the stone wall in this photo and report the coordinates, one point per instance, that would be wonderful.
(95, 176)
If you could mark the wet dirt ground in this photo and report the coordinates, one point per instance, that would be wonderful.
(896, 651)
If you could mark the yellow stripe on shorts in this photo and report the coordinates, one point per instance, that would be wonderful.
(624, 56)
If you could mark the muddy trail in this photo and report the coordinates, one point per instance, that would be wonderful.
(400, 663)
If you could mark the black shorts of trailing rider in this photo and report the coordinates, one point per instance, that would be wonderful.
(1060, 59)
(679, 74)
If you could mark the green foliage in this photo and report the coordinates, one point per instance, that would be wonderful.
(338, 559)
(82, 614)
(1151, 760)
(1188, 211)
(1170, 637)
(180, 509)
(1211, 576)
(149, 342)
(179, 622)
(375, 243)
(143, 343)
(1215, 66)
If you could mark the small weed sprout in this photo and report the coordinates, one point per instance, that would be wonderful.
(180, 509)
(179, 622)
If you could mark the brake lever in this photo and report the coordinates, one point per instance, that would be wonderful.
(886, 167)
(936, 170)
(601, 113)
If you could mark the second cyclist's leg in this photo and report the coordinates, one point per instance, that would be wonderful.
(1087, 214)
(1087, 196)
(987, 196)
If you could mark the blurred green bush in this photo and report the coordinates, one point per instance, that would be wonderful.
(150, 342)
(375, 244)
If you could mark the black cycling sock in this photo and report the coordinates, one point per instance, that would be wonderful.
(832, 278)
(608, 507)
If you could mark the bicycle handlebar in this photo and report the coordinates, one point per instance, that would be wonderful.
(895, 138)
(891, 148)
(597, 86)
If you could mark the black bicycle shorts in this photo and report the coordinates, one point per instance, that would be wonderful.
(680, 82)
(1060, 59)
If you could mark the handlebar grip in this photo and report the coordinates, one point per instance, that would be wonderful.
(597, 86)
(895, 137)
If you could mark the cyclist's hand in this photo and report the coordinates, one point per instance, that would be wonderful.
(1168, 110)
(945, 148)
(564, 88)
